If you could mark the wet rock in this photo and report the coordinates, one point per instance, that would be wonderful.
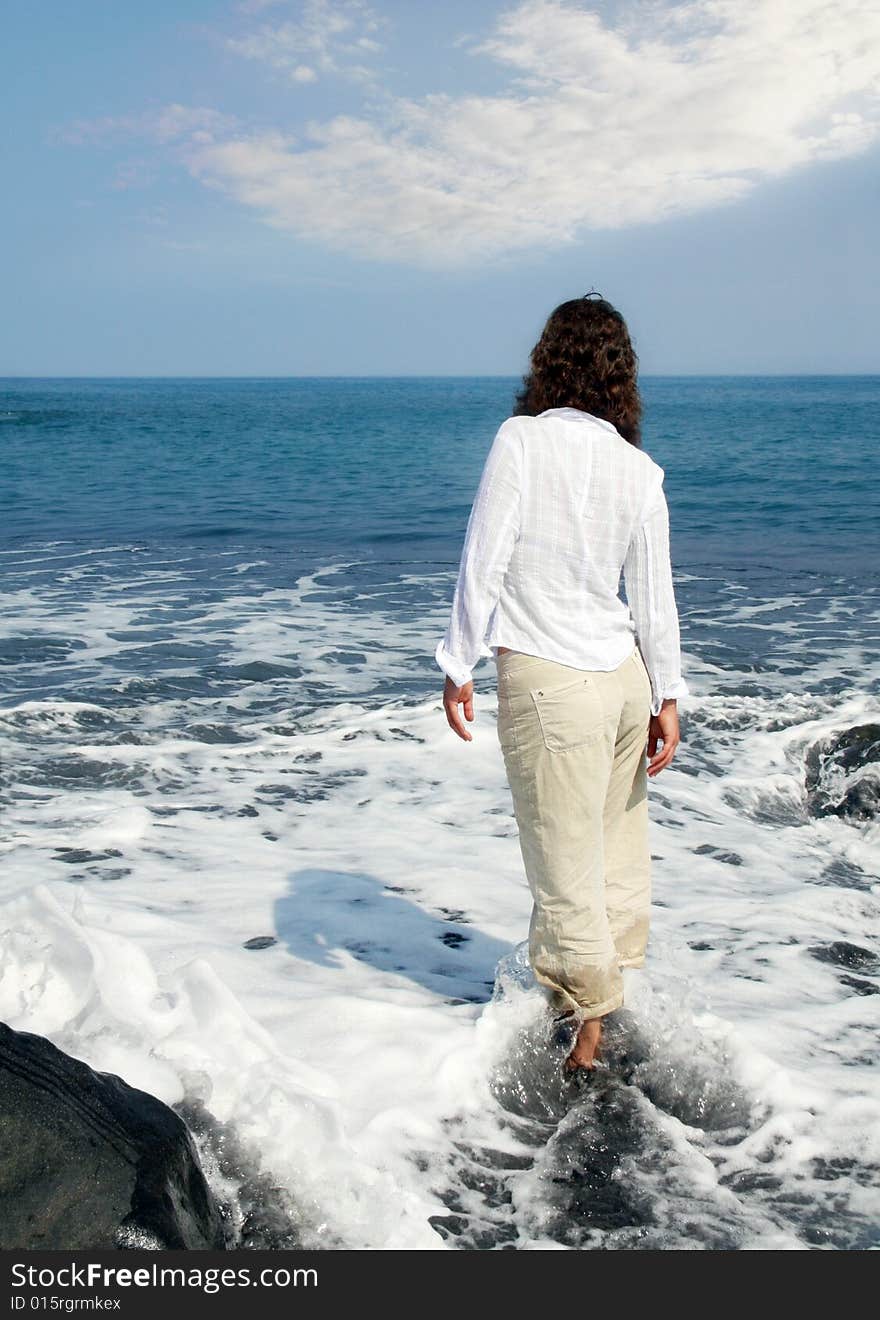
(842, 774)
(263, 1214)
(87, 1161)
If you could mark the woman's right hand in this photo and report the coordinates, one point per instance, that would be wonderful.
(663, 728)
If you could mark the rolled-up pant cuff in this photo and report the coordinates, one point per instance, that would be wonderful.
(562, 1002)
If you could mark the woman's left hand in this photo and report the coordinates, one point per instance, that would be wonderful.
(453, 697)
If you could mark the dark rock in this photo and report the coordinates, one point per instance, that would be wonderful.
(842, 774)
(267, 1215)
(260, 942)
(87, 1161)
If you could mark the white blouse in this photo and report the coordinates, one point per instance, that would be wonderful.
(563, 505)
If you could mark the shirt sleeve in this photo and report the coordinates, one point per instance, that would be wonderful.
(492, 530)
(647, 573)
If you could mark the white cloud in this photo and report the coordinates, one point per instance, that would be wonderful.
(664, 110)
(330, 37)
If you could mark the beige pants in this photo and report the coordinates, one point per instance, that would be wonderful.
(573, 742)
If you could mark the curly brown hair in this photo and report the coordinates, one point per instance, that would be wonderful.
(585, 359)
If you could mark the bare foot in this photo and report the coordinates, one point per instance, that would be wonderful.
(583, 1055)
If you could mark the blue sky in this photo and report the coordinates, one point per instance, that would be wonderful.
(330, 187)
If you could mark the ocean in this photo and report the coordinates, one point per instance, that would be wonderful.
(248, 867)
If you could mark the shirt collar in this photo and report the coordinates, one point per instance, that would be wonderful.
(579, 415)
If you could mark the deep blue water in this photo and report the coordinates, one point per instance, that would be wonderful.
(778, 471)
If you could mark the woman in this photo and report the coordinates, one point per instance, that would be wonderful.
(567, 500)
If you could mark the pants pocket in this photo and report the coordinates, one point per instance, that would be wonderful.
(570, 713)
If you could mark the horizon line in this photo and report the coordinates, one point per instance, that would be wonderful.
(415, 375)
